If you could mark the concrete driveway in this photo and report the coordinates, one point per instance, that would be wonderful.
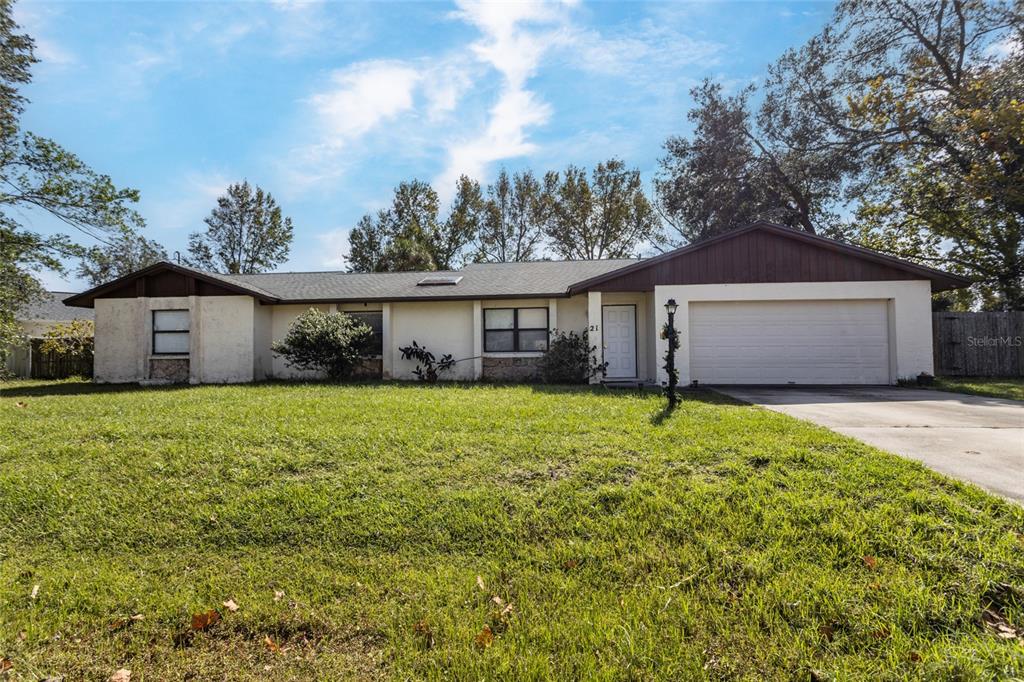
(975, 439)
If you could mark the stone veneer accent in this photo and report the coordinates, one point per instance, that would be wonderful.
(369, 368)
(171, 370)
(511, 369)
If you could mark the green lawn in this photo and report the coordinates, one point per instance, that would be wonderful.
(350, 525)
(994, 387)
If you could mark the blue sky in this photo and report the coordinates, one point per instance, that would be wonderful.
(329, 105)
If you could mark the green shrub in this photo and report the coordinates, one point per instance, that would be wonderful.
(569, 359)
(428, 367)
(329, 342)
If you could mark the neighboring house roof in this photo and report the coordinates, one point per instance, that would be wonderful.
(479, 280)
(51, 308)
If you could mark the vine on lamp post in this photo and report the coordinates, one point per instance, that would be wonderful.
(671, 334)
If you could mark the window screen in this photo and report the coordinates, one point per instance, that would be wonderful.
(374, 319)
(508, 330)
(170, 332)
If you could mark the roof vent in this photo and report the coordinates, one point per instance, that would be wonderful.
(439, 281)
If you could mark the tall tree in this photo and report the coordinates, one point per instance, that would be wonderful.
(920, 90)
(738, 168)
(606, 217)
(409, 235)
(449, 240)
(515, 213)
(121, 255)
(39, 176)
(245, 233)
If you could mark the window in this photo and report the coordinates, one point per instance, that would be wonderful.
(374, 320)
(508, 330)
(170, 332)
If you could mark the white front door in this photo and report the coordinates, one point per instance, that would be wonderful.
(620, 341)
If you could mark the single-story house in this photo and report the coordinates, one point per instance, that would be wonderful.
(35, 319)
(764, 304)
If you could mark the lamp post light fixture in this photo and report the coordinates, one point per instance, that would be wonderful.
(672, 336)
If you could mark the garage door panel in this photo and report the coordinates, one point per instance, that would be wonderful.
(805, 342)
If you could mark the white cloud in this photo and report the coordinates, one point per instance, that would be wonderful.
(334, 245)
(363, 96)
(1003, 48)
(651, 48)
(515, 36)
(35, 20)
(51, 53)
(191, 199)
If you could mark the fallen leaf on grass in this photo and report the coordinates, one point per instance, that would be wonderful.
(915, 657)
(5, 664)
(870, 561)
(35, 591)
(122, 675)
(422, 628)
(278, 595)
(827, 631)
(272, 646)
(20, 404)
(485, 638)
(122, 623)
(204, 621)
(23, 635)
(230, 605)
(480, 584)
(997, 622)
(570, 564)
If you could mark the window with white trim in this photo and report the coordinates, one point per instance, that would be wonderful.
(512, 330)
(170, 332)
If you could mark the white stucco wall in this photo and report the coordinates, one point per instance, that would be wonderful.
(225, 339)
(120, 327)
(572, 314)
(263, 358)
(910, 315)
(221, 337)
(442, 326)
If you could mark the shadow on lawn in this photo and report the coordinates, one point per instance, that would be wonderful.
(73, 388)
(79, 388)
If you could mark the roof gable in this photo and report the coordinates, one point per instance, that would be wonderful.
(168, 279)
(765, 252)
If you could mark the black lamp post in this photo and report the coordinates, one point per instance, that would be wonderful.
(672, 336)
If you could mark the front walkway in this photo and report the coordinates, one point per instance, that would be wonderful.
(975, 439)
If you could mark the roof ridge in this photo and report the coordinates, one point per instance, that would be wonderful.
(418, 272)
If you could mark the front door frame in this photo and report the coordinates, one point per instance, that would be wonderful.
(636, 337)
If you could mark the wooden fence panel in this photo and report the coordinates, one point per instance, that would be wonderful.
(53, 366)
(979, 344)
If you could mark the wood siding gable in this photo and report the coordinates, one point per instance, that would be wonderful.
(769, 254)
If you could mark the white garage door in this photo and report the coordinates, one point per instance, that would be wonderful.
(783, 342)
